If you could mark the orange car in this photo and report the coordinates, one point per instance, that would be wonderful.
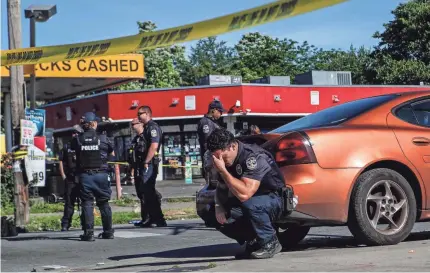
(364, 164)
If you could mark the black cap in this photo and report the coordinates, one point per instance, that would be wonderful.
(216, 104)
(90, 116)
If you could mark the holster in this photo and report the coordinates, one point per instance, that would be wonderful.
(287, 196)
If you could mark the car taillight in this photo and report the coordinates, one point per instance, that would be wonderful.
(294, 148)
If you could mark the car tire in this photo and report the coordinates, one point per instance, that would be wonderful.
(292, 236)
(364, 228)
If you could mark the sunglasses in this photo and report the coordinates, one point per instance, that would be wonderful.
(141, 113)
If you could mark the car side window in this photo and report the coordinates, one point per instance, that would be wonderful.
(422, 112)
(407, 114)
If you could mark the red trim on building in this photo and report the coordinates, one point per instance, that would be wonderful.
(256, 98)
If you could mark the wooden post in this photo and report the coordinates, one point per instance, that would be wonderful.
(22, 206)
(118, 182)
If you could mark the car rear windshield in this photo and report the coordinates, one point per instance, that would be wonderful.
(335, 115)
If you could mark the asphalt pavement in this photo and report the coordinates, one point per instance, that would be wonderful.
(189, 246)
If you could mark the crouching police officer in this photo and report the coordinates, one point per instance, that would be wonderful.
(68, 171)
(256, 183)
(92, 152)
(148, 168)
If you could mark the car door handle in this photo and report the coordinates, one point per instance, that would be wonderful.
(421, 141)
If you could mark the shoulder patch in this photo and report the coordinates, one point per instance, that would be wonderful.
(239, 169)
(153, 133)
(251, 163)
(205, 128)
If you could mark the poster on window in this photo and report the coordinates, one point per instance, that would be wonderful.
(37, 116)
(35, 166)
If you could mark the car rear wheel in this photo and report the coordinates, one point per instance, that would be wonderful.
(291, 236)
(383, 208)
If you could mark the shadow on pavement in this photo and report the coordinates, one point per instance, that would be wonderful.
(323, 241)
(212, 253)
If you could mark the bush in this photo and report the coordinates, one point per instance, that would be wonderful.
(7, 181)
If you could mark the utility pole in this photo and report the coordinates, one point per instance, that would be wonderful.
(22, 206)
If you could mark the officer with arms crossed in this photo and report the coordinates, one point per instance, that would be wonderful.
(68, 171)
(207, 125)
(92, 152)
(148, 169)
(253, 178)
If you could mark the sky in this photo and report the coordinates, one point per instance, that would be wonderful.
(340, 26)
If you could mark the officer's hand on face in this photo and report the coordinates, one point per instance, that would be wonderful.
(220, 214)
(218, 163)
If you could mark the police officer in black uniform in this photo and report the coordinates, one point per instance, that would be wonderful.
(208, 124)
(137, 152)
(148, 168)
(92, 152)
(67, 164)
(252, 176)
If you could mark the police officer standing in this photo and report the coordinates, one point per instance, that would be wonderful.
(67, 164)
(148, 168)
(136, 157)
(255, 181)
(208, 124)
(92, 152)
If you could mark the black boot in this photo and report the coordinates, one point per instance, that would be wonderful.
(106, 235)
(88, 236)
(161, 223)
(250, 247)
(268, 250)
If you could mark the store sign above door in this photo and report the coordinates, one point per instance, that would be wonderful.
(118, 66)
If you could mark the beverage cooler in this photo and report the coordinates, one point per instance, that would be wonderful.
(182, 148)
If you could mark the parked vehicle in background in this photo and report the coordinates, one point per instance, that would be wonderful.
(364, 164)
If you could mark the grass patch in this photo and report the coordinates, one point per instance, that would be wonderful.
(36, 208)
(125, 201)
(53, 222)
(211, 265)
(180, 199)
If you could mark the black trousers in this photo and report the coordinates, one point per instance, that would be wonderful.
(71, 198)
(96, 186)
(150, 198)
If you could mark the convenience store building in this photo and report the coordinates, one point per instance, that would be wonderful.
(178, 110)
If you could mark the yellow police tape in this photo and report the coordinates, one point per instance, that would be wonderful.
(271, 12)
(22, 154)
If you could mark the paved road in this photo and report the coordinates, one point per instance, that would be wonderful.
(189, 246)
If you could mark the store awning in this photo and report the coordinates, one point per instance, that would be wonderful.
(60, 80)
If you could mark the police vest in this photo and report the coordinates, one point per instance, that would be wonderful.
(89, 151)
(138, 150)
(71, 158)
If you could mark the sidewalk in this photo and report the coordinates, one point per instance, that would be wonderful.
(167, 188)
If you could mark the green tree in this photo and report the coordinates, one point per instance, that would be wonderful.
(210, 56)
(357, 60)
(160, 64)
(403, 53)
(407, 37)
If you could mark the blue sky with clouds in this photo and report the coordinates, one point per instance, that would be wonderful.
(339, 26)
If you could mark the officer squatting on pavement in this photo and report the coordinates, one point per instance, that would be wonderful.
(92, 152)
(67, 166)
(256, 183)
(147, 168)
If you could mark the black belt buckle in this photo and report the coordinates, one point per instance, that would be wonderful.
(287, 195)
